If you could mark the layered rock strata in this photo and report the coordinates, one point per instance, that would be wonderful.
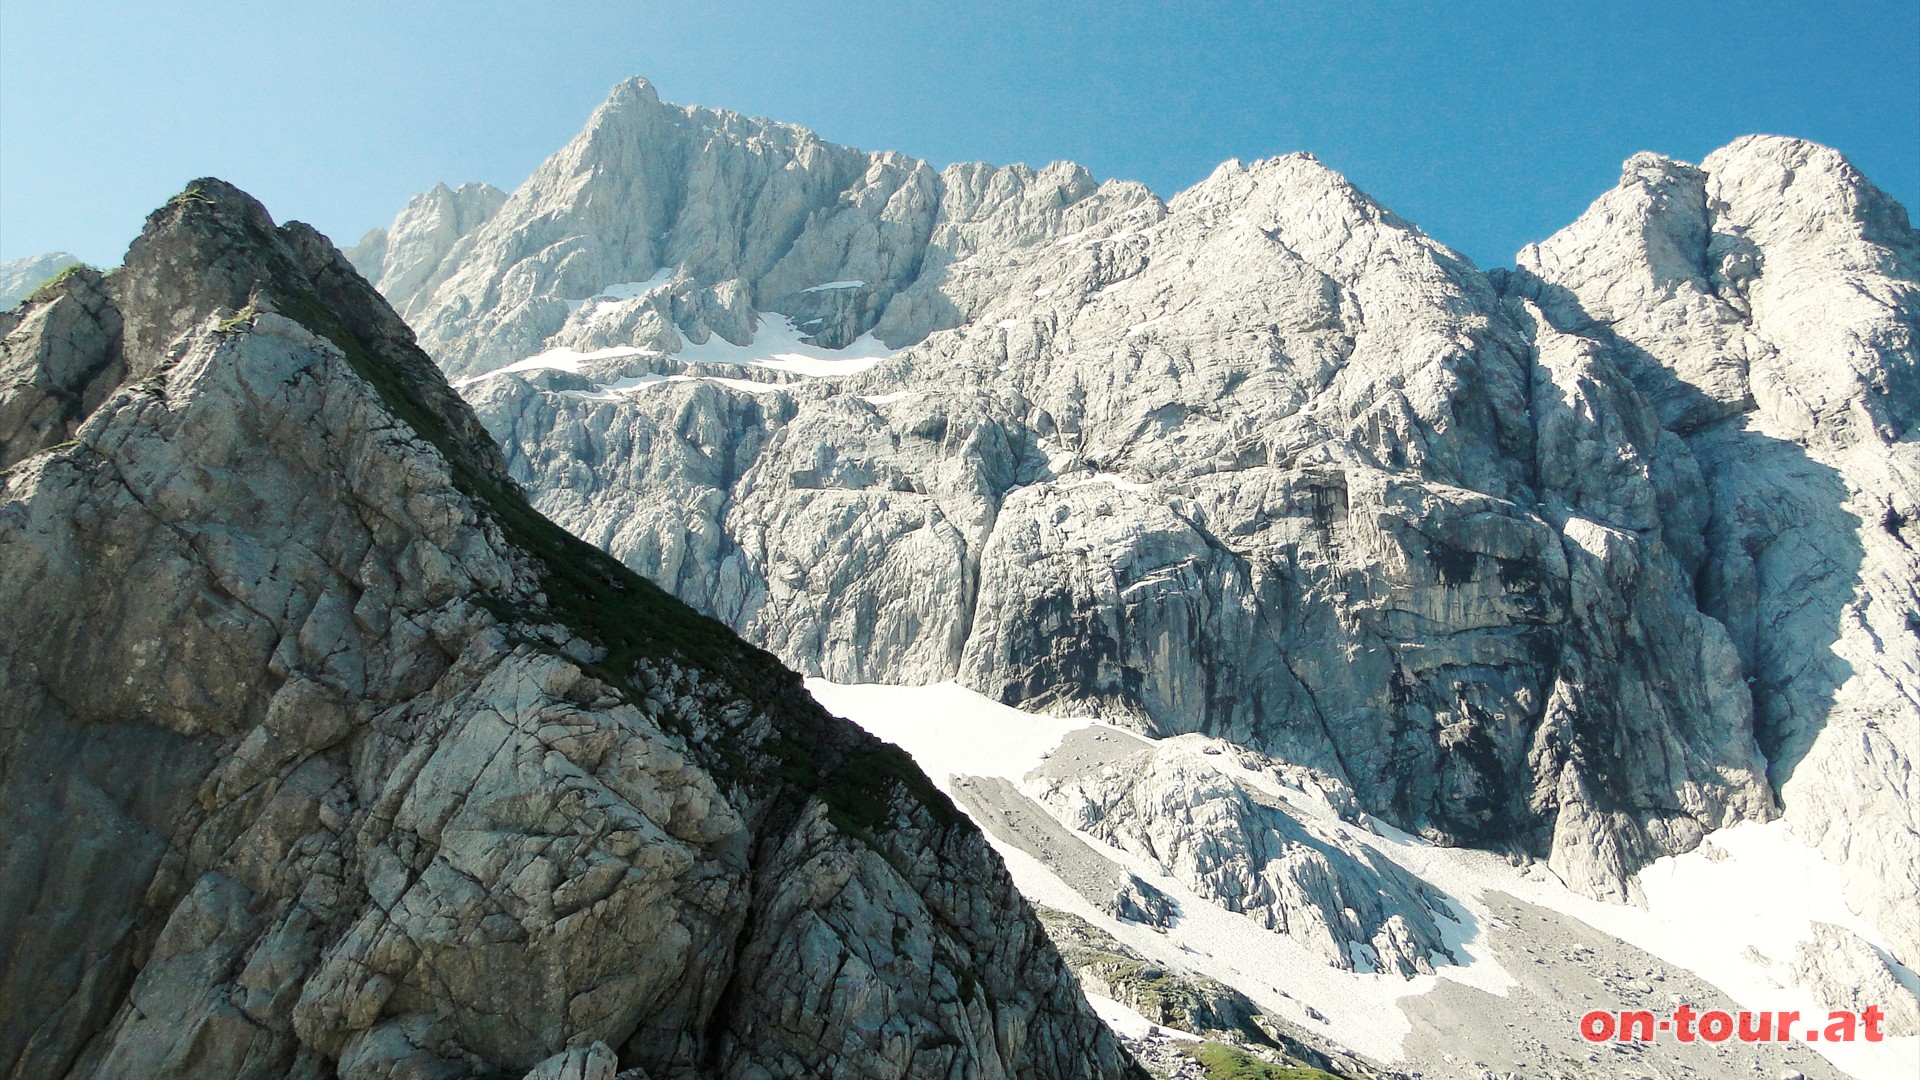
(1579, 561)
(323, 754)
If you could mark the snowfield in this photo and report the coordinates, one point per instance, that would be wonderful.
(778, 345)
(1724, 912)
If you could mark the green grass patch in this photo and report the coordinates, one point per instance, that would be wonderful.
(238, 321)
(1224, 1062)
(44, 291)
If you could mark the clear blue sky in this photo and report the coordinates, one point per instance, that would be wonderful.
(1489, 124)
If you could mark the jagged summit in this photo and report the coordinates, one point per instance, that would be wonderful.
(400, 259)
(324, 755)
(662, 226)
(1263, 461)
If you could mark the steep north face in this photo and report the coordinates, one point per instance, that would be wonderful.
(1579, 560)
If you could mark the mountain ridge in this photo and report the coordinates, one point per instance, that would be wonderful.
(325, 755)
(1527, 471)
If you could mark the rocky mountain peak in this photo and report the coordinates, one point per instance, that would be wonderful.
(637, 89)
(1268, 463)
(325, 755)
(1739, 248)
(406, 258)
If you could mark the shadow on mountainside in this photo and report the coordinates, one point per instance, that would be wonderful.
(1779, 557)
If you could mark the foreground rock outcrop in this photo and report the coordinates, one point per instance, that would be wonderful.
(322, 754)
(1845, 972)
(1579, 561)
(1190, 1003)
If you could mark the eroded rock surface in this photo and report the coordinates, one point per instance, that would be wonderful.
(1581, 560)
(1244, 851)
(1846, 972)
(322, 754)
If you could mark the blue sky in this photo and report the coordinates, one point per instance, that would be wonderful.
(1487, 123)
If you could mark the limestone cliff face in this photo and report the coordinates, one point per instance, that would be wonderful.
(1765, 305)
(1586, 558)
(425, 242)
(322, 754)
(659, 225)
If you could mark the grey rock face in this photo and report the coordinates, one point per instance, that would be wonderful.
(1845, 972)
(425, 242)
(1246, 853)
(322, 754)
(594, 1062)
(19, 277)
(1585, 559)
(1765, 303)
(58, 360)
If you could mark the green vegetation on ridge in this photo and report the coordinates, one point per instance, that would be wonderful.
(1224, 1062)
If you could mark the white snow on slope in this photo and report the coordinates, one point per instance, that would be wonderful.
(605, 303)
(951, 730)
(1111, 480)
(568, 360)
(1762, 888)
(777, 345)
(830, 286)
(1131, 1024)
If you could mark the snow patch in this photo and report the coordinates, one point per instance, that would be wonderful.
(1125, 1021)
(567, 360)
(1762, 888)
(778, 343)
(833, 285)
(605, 303)
(951, 730)
(1111, 479)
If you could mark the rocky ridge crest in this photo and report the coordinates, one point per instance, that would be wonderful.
(323, 754)
(1579, 561)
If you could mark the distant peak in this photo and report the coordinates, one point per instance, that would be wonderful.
(637, 90)
(1651, 168)
(1784, 152)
